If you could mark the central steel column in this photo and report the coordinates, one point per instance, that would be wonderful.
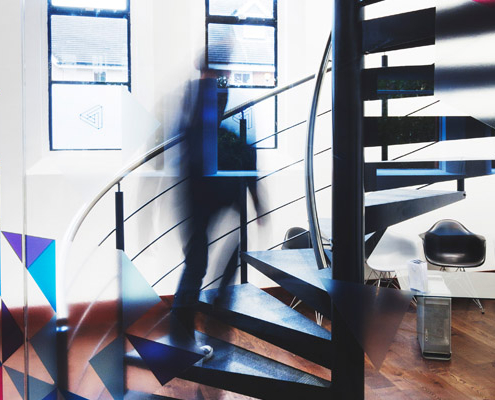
(347, 190)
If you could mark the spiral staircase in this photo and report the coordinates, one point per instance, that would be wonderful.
(324, 278)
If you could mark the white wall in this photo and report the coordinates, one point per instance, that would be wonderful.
(166, 39)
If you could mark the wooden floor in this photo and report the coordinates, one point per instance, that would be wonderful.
(405, 374)
(470, 374)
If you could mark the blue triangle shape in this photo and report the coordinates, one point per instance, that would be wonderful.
(45, 345)
(51, 396)
(109, 365)
(164, 361)
(71, 396)
(43, 272)
(17, 378)
(137, 295)
(34, 247)
(12, 336)
(39, 389)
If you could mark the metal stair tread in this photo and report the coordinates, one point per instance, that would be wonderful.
(249, 300)
(294, 262)
(399, 195)
(234, 359)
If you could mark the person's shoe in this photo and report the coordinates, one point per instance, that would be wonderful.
(207, 351)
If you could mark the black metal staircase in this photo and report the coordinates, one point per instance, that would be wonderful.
(367, 199)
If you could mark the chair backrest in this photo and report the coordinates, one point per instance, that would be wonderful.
(297, 238)
(448, 243)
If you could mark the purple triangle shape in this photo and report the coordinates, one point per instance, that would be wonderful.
(12, 336)
(15, 241)
(34, 247)
(166, 362)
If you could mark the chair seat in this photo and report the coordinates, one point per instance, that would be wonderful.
(449, 244)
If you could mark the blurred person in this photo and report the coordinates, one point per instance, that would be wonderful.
(204, 197)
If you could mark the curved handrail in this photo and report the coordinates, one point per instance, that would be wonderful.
(77, 221)
(143, 159)
(314, 227)
(250, 103)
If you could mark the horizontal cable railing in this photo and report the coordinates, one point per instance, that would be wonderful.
(159, 149)
(237, 229)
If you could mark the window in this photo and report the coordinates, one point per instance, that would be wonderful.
(89, 67)
(241, 41)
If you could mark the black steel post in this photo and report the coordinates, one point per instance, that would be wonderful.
(384, 112)
(347, 191)
(62, 332)
(119, 241)
(119, 219)
(243, 205)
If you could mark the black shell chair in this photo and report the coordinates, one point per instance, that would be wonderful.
(449, 244)
(297, 238)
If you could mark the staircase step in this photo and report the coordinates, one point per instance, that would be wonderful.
(383, 131)
(294, 270)
(378, 82)
(238, 370)
(399, 31)
(382, 176)
(390, 207)
(254, 311)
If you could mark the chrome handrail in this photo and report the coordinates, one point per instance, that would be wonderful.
(250, 103)
(77, 221)
(143, 159)
(314, 227)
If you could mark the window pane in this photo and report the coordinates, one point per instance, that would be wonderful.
(244, 52)
(89, 49)
(86, 116)
(96, 4)
(242, 8)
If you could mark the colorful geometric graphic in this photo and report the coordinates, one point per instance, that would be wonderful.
(15, 241)
(109, 365)
(45, 345)
(166, 362)
(40, 262)
(42, 269)
(137, 295)
(34, 247)
(72, 396)
(51, 396)
(12, 336)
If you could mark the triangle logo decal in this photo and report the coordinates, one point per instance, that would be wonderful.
(93, 117)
